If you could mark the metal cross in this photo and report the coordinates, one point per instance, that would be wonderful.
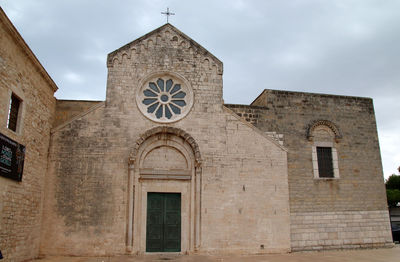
(168, 13)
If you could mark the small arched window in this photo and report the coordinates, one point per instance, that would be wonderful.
(325, 136)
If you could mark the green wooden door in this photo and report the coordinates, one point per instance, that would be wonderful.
(163, 222)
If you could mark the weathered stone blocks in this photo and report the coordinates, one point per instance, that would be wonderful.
(21, 202)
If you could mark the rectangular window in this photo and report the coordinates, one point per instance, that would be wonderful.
(325, 165)
(15, 104)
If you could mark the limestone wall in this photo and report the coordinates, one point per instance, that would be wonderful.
(68, 109)
(21, 202)
(359, 187)
(330, 230)
(244, 192)
(290, 113)
(245, 201)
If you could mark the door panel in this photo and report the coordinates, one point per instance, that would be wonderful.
(163, 222)
(154, 238)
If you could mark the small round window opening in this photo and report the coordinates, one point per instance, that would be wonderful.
(164, 99)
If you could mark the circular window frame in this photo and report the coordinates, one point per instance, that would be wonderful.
(164, 75)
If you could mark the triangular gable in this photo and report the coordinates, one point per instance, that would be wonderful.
(127, 47)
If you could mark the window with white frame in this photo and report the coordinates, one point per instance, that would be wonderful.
(325, 160)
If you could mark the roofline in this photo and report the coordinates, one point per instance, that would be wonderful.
(21, 42)
(257, 130)
(309, 93)
(78, 100)
(78, 116)
(159, 29)
(258, 96)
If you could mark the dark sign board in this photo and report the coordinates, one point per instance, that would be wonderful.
(12, 157)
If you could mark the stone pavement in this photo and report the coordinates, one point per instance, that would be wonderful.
(364, 255)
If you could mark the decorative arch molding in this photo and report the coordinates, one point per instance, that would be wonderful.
(166, 130)
(184, 179)
(314, 124)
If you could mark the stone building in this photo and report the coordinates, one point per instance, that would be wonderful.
(163, 165)
(25, 83)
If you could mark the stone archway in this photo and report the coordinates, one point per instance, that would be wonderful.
(164, 160)
(316, 123)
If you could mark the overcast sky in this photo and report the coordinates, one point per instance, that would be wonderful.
(345, 47)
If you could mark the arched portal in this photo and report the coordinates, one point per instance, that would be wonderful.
(164, 163)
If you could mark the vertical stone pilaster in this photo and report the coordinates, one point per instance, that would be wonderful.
(198, 173)
(131, 192)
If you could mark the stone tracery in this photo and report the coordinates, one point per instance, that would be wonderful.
(164, 97)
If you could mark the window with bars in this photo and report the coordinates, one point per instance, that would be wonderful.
(13, 112)
(325, 164)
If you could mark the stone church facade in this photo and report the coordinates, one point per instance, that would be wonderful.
(163, 165)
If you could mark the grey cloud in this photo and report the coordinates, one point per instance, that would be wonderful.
(340, 47)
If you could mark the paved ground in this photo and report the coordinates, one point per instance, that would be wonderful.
(366, 255)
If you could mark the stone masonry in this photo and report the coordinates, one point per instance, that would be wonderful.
(66, 110)
(88, 199)
(332, 230)
(246, 175)
(358, 195)
(21, 202)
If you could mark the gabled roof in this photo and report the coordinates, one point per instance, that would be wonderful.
(158, 30)
(24, 46)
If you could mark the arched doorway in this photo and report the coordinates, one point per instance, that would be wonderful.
(164, 192)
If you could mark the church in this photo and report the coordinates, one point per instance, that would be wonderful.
(164, 165)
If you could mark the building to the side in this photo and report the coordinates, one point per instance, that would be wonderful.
(336, 189)
(163, 165)
(27, 109)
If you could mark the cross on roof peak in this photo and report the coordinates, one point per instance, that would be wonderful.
(167, 14)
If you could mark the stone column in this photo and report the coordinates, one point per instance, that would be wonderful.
(131, 193)
(198, 172)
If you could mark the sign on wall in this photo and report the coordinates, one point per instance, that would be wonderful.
(12, 157)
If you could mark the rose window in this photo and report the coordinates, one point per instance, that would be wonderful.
(164, 100)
